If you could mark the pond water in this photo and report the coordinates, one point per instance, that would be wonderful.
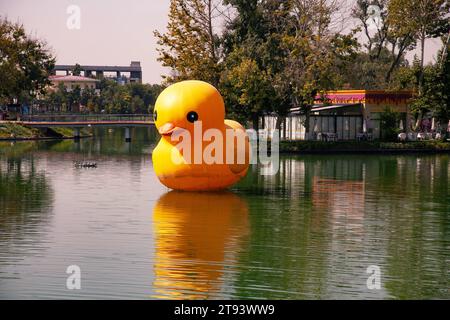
(309, 232)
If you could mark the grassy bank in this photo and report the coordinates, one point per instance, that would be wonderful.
(14, 131)
(363, 146)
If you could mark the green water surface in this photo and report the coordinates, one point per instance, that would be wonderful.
(309, 232)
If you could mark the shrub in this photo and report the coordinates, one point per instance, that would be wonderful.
(389, 120)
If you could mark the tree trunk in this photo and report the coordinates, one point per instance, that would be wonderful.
(422, 54)
(393, 65)
(280, 120)
(255, 125)
(255, 122)
(307, 129)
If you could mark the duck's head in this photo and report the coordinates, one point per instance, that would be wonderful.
(180, 105)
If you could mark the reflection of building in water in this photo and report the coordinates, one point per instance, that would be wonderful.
(341, 198)
(342, 202)
(338, 188)
(196, 233)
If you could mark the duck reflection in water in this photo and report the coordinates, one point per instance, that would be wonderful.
(197, 236)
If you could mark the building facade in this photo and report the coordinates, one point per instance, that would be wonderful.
(344, 115)
(70, 82)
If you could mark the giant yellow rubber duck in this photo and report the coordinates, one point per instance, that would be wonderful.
(191, 113)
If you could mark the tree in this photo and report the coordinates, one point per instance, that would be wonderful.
(146, 92)
(315, 52)
(254, 59)
(137, 105)
(434, 97)
(26, 63)
(57, 100)
(87, 98)
(386, 44)
(248, 90)
(191, 46)
(435, 94)
(76, 71)
(372, 16)
(363, 72)
(74, 99)
(110, 96)
(388, 124)
(421, 18)
(286, 50)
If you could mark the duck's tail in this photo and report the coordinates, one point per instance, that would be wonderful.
(241, 148)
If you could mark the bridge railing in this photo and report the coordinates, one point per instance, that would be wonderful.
(86, 117)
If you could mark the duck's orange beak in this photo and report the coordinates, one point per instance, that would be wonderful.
(167, 129)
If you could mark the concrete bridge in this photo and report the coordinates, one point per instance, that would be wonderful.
(134, 70)
(77, 121)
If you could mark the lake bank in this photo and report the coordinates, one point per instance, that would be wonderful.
(323, 147)
(16, 132)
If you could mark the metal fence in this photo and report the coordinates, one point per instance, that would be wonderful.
(86, 117)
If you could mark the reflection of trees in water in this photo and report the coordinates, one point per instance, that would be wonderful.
(300, 221)
(419, 224)
(112, 141)
(25, 198)
(197, 236)
(16, 149)
(325, 219)
(285, 257)
(106, 142)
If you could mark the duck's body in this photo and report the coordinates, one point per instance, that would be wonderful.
(187, 227)
(189, 168)
(175, 172)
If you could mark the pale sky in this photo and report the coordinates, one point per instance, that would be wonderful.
(112, 32)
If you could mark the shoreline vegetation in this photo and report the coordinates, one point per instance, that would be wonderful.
(16, 132)
(321, 147)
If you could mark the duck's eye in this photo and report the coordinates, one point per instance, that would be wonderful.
(192, 116)
(155, 115)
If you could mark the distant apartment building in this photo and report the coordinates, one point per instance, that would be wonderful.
(121, 74)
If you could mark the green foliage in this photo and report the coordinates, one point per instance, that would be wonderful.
(388, 124)
(366, 72)
(16, 131)
(420, 19)
(279, 55)
(25, 63)
(385, 47)
(67, 132)
(434, 97)
(12, 130)
(110, 97)
(190, 47)
(247, 89)
(362, 146)
(273, 55)
(76, 71)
